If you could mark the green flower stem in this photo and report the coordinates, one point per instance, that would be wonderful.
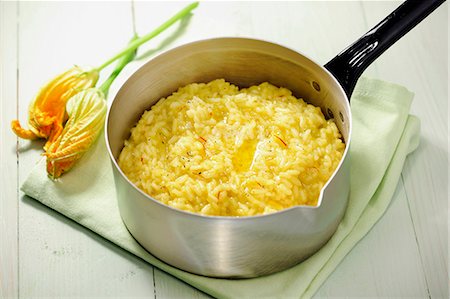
(124, 60)
(135, 44)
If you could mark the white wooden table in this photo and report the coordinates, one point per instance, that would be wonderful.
(45, 255)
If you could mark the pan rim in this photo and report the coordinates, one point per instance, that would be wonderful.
(234, 218)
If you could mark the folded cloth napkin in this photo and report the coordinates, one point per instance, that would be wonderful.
(384, 134)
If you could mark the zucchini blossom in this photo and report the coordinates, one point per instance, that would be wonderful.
(87, 111)
(72, 96)
(46, 113)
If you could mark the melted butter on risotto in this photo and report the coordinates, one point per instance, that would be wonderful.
(216, 150)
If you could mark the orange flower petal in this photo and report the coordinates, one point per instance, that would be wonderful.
(21, 132)
(47, 112)
(87, 111)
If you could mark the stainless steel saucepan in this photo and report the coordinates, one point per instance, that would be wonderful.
(257, 245)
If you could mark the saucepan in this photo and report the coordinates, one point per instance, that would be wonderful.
(257, 245)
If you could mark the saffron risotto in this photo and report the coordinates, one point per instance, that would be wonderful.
(218, 150)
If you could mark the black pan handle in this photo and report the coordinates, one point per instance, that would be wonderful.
(348, 65)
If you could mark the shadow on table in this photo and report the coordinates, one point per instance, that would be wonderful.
(427, 148)
(181, 29)
(30, 145)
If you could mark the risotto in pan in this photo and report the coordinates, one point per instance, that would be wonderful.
(218, 150)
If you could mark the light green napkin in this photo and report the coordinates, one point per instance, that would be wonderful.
(384, 134)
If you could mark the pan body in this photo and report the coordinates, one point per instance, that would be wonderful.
(228, 246)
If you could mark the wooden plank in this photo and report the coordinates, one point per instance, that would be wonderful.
(8, 154)
(420, 62)
(385, 263)
(59, 258)
(318, 29)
